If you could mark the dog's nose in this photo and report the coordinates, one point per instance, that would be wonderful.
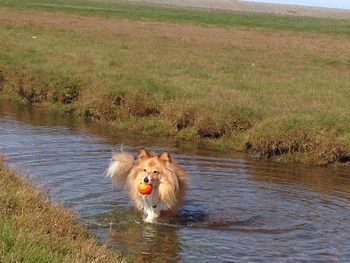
(146, 180)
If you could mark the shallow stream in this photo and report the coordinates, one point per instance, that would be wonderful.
(236, 210)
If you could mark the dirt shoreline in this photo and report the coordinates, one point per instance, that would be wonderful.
(242, 6)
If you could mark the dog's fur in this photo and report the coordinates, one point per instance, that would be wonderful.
(167, 177)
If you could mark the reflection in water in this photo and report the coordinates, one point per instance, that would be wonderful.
(236, 209)
(146, 242)
(319, 179)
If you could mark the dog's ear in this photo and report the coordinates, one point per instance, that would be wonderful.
(165, 157)
(143, 154)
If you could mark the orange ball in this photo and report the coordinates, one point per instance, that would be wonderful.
(144, 189)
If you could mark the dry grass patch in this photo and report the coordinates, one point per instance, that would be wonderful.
(298, 138)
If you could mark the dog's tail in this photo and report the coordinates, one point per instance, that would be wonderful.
(120, 166)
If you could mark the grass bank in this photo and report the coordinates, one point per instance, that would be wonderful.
(33, 230)
(277, 92)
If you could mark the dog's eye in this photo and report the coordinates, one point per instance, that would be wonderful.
(144, 170)
(155, 172)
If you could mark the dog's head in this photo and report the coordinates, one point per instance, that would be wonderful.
(155, 168)
(162, 172)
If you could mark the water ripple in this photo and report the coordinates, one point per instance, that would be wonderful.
(236, 210)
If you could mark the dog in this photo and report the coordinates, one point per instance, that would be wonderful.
(160, 173)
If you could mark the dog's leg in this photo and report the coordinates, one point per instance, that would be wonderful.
(150, 209)
(151, 216)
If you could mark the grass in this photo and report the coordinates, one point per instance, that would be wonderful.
(122, 9)
(34, 230)
(278, 92)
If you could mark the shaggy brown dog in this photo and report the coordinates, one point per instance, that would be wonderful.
(167, 180)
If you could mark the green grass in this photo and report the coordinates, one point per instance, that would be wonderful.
(276, 93)
(33, 230)
(119, 9)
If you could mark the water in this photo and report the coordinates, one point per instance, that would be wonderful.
(236, 210)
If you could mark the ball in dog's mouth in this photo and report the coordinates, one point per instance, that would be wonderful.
(145, 188)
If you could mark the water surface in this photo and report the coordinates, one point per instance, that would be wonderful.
(236, 210)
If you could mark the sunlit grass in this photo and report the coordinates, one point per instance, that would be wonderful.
(121, 9)
(244, 86)
(33, 230)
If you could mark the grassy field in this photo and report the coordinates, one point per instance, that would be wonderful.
(274, 86)
(138, 11)
(33, 230)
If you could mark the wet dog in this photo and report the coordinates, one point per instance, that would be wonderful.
(155, 183)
